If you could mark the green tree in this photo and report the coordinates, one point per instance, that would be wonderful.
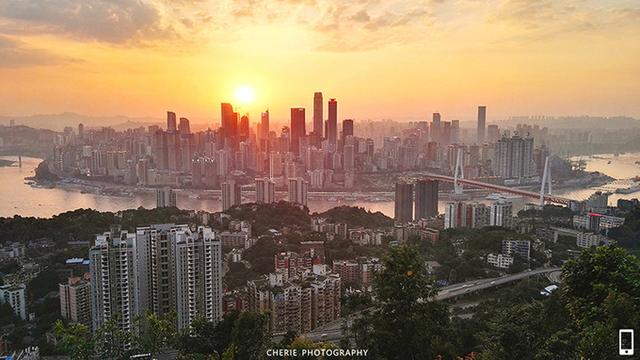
(202, 338)
(406, 324)
(74, 340)
(590, 279)
(515, 333)
(250, 336)
(237, 336)
(157, 333)
(600, 294)
(112, 342)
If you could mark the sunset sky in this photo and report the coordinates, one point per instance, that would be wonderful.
(380, 59)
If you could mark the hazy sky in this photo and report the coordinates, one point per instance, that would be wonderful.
(380, 59)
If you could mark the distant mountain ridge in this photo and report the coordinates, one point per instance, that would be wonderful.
(58, 122)
(577, 122)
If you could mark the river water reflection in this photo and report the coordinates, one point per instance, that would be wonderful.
(16, 197)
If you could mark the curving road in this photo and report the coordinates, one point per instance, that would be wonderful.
(333, 331)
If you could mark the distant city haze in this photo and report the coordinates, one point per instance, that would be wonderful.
(392, 59)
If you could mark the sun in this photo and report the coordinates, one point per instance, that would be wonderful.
(245, 94)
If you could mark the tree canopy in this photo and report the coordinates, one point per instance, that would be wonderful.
(406, 324)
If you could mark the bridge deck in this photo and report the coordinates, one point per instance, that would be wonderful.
(482, 185)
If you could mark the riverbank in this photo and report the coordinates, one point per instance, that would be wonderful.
(4, 162)
(64, 195)
(97, 187)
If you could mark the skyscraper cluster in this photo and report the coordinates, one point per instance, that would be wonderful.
(174, 147)
(327, 155)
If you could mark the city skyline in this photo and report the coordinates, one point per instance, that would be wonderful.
(519, 57)
(397, 179)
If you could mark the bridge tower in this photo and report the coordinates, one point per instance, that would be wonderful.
(458, 172)
(546, 180)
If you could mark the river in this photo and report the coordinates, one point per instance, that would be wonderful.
(25, 200)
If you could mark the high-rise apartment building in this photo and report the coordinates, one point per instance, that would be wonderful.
(275, 164)
(184, 127)
(265, 190)
(347, 129)
(436, 128)
(204, 172)
(263, 135)
(436, 118)
(404, 202)
(357, 272)
(597, 202)
(198, 279)
(155, 254)
(520, 247)
(14, 295)
(426, 199)
(493, 133)
(229, 128)
(243, 127)
(332, 123)
(291, 264)
(455, 131)
(231, 194)
(318, 119)
(482, 120)
(297, 129)
(298, 191)
(445, 133)
(298, 304)
(501, 214)
(514, 157)
(349, 158)
(75, 300)
(165, 197)
(171, 121)
(462, 214)
(113, 264)
(454, 215)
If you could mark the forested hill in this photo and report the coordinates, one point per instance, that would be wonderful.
(84, 224)
(356, 217)
(26, 141)
(272, 216)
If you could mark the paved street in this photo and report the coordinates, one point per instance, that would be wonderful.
(333, 330)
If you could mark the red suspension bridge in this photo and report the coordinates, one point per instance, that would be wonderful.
(544, 196)
(500, 188)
